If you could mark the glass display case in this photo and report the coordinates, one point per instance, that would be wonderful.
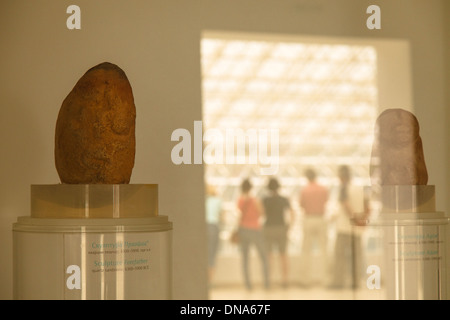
(93, 242)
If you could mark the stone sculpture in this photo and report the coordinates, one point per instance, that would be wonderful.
(95, 130)
(397, 154)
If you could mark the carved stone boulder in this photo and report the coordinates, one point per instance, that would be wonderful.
(95, 129)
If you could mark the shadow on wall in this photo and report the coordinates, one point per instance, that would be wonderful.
(21, 164)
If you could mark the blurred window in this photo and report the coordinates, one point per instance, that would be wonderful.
(322, 99)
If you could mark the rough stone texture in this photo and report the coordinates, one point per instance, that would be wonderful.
(95, 130)
(397, 154)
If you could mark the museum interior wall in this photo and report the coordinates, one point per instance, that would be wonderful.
(157, 44)
(447, 90)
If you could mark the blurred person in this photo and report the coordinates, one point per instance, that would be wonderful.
(313, 200)
(352, 209)
(250, 232)
(213, 218)
(276, 227)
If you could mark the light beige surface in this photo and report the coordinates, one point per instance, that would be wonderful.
(94, 201)
(278, 293)
(157, 42)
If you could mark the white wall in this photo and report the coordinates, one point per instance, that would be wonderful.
(445, 14)
(156, 42)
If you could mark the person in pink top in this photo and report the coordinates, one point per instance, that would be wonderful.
(250, 232)
(313, 201)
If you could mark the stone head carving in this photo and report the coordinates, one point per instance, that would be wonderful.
(397, 153)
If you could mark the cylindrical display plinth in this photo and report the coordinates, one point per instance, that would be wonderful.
(93, 242)
(413, 242)
(415, 256)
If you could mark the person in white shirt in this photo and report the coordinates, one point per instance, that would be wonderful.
(213, 219)
(352, 210)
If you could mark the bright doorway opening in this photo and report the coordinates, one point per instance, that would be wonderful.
(322, 96)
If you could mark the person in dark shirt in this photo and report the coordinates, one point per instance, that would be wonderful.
(276, 227)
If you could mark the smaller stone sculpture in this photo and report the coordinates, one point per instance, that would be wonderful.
(397, 153)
